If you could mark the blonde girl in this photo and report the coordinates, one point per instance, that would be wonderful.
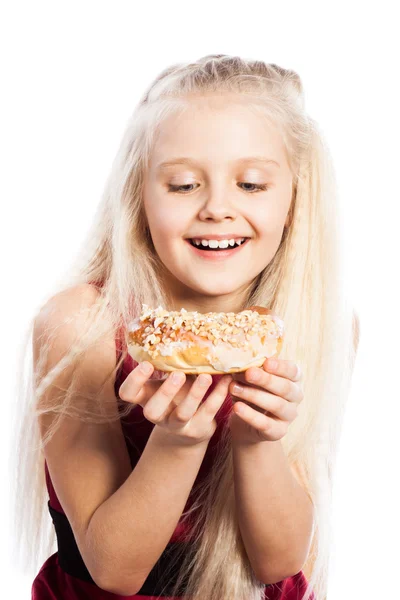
(192, 488)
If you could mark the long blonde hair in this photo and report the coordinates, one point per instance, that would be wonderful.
(303, 283)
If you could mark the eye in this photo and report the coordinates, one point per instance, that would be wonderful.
(177, 188)
(259, 187)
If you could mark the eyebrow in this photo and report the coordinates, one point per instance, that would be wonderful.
(184, 160)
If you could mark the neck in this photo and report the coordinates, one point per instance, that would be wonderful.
(189, 300)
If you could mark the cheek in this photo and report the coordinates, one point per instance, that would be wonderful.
(273, 232)
(159, 216)
(168, 224)
(271, 217)
(271, 240)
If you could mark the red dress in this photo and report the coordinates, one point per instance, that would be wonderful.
(64, 576)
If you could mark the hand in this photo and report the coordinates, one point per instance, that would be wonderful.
(264, 411)
(177, 406)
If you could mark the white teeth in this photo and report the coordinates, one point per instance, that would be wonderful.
(218, 244)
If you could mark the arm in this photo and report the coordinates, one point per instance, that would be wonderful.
(274, 512)
(132, 527)
(121, 519)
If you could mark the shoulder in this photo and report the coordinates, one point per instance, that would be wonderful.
(66, 317)
(67, 342)
(69, 307)
(73, 298)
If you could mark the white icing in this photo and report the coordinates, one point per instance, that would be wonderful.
(134, 325)
(279, 323)
(172, 346)
(225, 357)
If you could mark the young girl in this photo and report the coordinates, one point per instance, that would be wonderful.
(169, 488)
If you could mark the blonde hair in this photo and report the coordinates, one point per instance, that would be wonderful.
(303, 283)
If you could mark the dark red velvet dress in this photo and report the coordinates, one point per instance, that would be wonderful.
(64, 576)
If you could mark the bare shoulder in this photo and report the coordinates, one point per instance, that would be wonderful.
(65, 318)
(73, 300)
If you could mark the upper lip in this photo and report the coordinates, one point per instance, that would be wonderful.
(220, 236)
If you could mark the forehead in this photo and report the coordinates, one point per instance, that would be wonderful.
(214, 132)
(259, 161)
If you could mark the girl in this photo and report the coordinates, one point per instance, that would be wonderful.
(169, 488)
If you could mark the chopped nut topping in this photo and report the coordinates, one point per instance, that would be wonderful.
(159, 325)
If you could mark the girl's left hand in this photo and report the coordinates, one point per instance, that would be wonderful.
(268, 403)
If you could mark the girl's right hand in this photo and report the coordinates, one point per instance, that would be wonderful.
(176, 405)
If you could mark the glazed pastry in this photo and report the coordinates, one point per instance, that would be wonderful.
(213, 342)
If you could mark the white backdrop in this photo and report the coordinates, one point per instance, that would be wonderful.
(72, 73)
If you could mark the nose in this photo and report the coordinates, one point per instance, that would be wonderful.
(217, 207)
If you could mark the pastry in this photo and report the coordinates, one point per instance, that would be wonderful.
(213, 342)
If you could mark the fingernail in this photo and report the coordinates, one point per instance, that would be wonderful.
(237, 389)
(177, 377)
(145, 367)
(204, 380)
(254, 375)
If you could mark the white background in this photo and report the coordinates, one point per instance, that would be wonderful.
(72, 73)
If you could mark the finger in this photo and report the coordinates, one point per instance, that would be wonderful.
(134, 382)
(158, 404)
(283, 368)
(148, 389)
(280, 386)
(179, 397)
(188, 407)
(215, 400)
(277, 406)
(268, 428)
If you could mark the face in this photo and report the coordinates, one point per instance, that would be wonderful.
(218, 193)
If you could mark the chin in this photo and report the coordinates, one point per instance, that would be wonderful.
(216, 291)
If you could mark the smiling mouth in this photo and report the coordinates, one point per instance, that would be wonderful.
(218, 249)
